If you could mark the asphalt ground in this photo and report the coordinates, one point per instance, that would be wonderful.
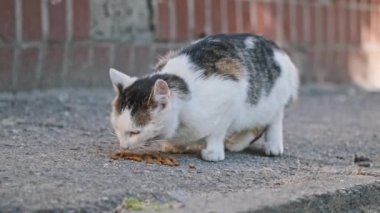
(55, 150)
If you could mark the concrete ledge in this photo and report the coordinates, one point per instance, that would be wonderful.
(361, 198)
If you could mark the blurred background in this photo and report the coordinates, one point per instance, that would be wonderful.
(72, 43)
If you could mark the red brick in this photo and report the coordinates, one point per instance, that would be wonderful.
(27, 69)
(231, 16)
(335, 24)
(7, 19)
(350, 14)
(286, 22)
(358, 66)
(335, 66)
(374, 27)
(270, 30)
(101, 65)
(318, 72)
(163, 25)
(122, 57)
(57, 19)
(352, 31)
(377, 25)
(160, 52)
(358, 25)
(143, 60)
(317, 28)
(216, 22)
(331, 62)
(324, 65)
(341, 73)
(247, 27)
(260, 28)
(52, 69)
(81, 21)
(182, 20)
(300, 22)
(345, 76)
(6, 63)
(308, 75)
(31, 19)
(79, 64)
(313, 24)
(101, 56)
(79, 58)
(343, 28)
(324, 24)
(364, 25)
(200, 18)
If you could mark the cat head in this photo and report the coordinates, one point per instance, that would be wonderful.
(145, 109)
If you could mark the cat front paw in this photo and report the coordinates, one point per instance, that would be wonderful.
(273, 149)
(212, 155)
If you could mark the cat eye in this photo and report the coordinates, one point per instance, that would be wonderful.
(132, 133)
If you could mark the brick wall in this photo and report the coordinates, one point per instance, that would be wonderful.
(50, 43)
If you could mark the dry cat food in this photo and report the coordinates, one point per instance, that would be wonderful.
(149, 158)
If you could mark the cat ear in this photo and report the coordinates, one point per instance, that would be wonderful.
(120, 80)
(161, 92)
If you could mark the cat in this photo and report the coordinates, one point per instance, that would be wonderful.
(218, 90)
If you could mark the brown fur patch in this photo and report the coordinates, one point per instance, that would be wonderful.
(230, 66)
(139, 96)
(258, 130)
(163, 60)
(142, 116)
(117, 104)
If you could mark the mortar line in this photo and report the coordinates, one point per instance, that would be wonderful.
(293, 25)
(17, 51)
(208, 17)
(341, 34)
(318, 11)
(45, 33)
(69, 35)
(239, 14)
(131, 65)
(190, 21)
(306, 22)
(172, 20)
(279, 21)
(353, 17)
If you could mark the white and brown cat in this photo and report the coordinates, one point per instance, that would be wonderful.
(217, 90)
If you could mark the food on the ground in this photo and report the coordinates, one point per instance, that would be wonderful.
(149, 158)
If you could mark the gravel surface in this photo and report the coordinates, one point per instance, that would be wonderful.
(55, 147)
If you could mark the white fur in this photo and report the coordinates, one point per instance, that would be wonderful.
(120, 78)
(218, 108)
(250, 42)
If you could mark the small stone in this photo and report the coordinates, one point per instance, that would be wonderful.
(364, 164)
(191, 166)
(359, 158)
